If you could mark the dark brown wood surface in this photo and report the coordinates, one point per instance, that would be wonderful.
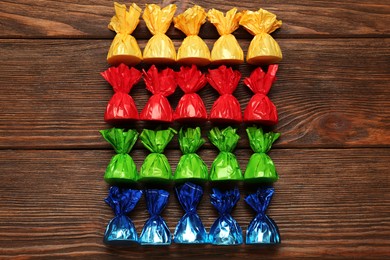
(333, 99)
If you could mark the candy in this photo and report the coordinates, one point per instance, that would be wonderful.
(226, 49)
(121, 168)
(225, 166)
(191, 166)
(260, 167)
(155, 230)
(156, 166)
(191, 106)
(121, 230)
(160, 48)
(262, 229)
(226, 108)
(260, 108)
(263, 49)
(225, 230)
(193, 49)
(190, 229)
(124, 48)
(161, 84)
(121, 106)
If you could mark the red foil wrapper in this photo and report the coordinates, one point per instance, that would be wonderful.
(260, 108)
(226, 108)
(121, 106)
(191, 106)
(161, 84)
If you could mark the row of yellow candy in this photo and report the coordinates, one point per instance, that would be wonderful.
(263, 49)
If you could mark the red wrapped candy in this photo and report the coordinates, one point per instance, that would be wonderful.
(121, 106)
(161, 84)
(191, 106)
(226, 108)
(260, 108)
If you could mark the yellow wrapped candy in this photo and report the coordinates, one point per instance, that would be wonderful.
(226, 49)
(124, 48)
(263, 49)
(160, 48)
(193, 50)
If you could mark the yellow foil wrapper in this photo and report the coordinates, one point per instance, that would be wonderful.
(124, 48)
(160, 48)
(193, 49)
(226, 49)
(263, 49)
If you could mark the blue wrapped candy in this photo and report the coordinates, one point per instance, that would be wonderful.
(121, 230)
(155, 231)
(190, 229)
(262, 229)
(225, 230)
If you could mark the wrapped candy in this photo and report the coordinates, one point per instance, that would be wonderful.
(121, 168)
(262, 229)
(225, 166)
(226, 107)
(121, 230)
(225, 230)
(191, 166)
(260, 108)
(156, 165)
(226, 49)
(191, 106)
(121, 106)
(260, 167)
(263, 49)
(161, 84)
(193, 49)
(160, 48)
(190, 229)
(155, 230)
(124, 48)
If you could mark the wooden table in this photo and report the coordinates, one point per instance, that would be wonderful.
(332, 94)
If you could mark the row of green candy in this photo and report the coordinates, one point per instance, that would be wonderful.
(191, 167)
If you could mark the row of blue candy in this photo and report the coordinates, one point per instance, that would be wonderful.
(190, 229)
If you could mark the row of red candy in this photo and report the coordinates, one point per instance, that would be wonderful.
(162, 84)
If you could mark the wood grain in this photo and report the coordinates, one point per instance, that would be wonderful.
(89, 19)
(338, 209)
(328, 94)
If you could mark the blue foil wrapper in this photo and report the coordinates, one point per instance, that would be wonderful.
(190, 229)
(155, 231)
(225, 230)
(121, 230)
(262, 229)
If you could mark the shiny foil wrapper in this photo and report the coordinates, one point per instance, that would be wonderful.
(190, 229)
(121, 168)
(262, 229)
(121, 230)
(155, 230)
(121, 106)
(225, 230)
(260, 108)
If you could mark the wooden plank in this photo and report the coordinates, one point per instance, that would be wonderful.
(326, 95)
(328, 203)
(64, 19)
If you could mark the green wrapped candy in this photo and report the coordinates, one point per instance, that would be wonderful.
(191, 166)
(225, 166)
(121, 168)
(156, 166)
(260, 166)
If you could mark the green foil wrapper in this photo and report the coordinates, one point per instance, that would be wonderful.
(191, 166)
(225, 167)
(121, 168)
(156, 166)
(260, 167)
